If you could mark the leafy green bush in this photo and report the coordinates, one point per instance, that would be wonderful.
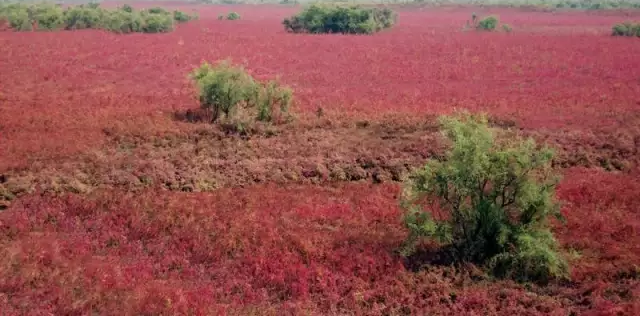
(487, 23)
(81, 17)
(233, 16)
(273, 100)
(123, 22)
(226, 90)
(126, 8)
(157, 23)
(157, 10)
(338, 19)
(626, 29)
(18, 17)
(22, 17)
(181, 17)
(47, 16)
(488, 203)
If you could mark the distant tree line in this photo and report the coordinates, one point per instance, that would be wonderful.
(48, 16)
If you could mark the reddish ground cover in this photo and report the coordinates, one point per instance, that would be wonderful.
(556, 70)
(300, 249)
(83, 105)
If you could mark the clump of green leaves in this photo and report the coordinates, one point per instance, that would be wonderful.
(233, 16)
(340, 19)
(487, 202)
(626, 29)
(44, 16)
(229, 92)
(488, 23)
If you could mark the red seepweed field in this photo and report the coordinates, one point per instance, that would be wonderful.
(111, 204)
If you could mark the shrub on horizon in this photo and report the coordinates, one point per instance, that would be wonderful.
(626, 29)
(487, 202)
(317, 19)
(157, 23)
(488, 23)
(22, 17)
(233, 16)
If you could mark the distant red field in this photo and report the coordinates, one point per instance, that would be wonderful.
(556, 70)
(302, 249)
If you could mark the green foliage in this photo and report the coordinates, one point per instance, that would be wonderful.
(47, 16)
(18, 17)
(626, 29)
(157, 23)
(23, 17)
(223, 87)
(181, 17)
(123, 22)
(488, 202)
(507, 28)
(127, 8)
(84, 17)
(487, 23)
(339, 19)
(233, 16)
(273, 100)
(227, 91)
(157, 10)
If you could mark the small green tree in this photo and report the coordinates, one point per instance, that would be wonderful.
(626, 29)
(487, 23)
(223, 87)
(157, 10)
(226, 90)
(233, 16)
(317, 19)
(273, 100)
(180, 16)
(123, 22)
(84, 17)
(126, 8)
(157, 23)
(47, 16)
(487, 202)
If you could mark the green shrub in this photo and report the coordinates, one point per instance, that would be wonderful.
(487, 23)
(626, 29)
(22, 17)
(338, 19)
(487, 202)
(157, 23)
(181, 17)
(18, 17)
(157, 10)
(273, 101)
(233, 16)
(126, 8)
(123, 22)
(227, 91)
(47, 16)
(507, 28)
(223, 87)
(81, 17)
